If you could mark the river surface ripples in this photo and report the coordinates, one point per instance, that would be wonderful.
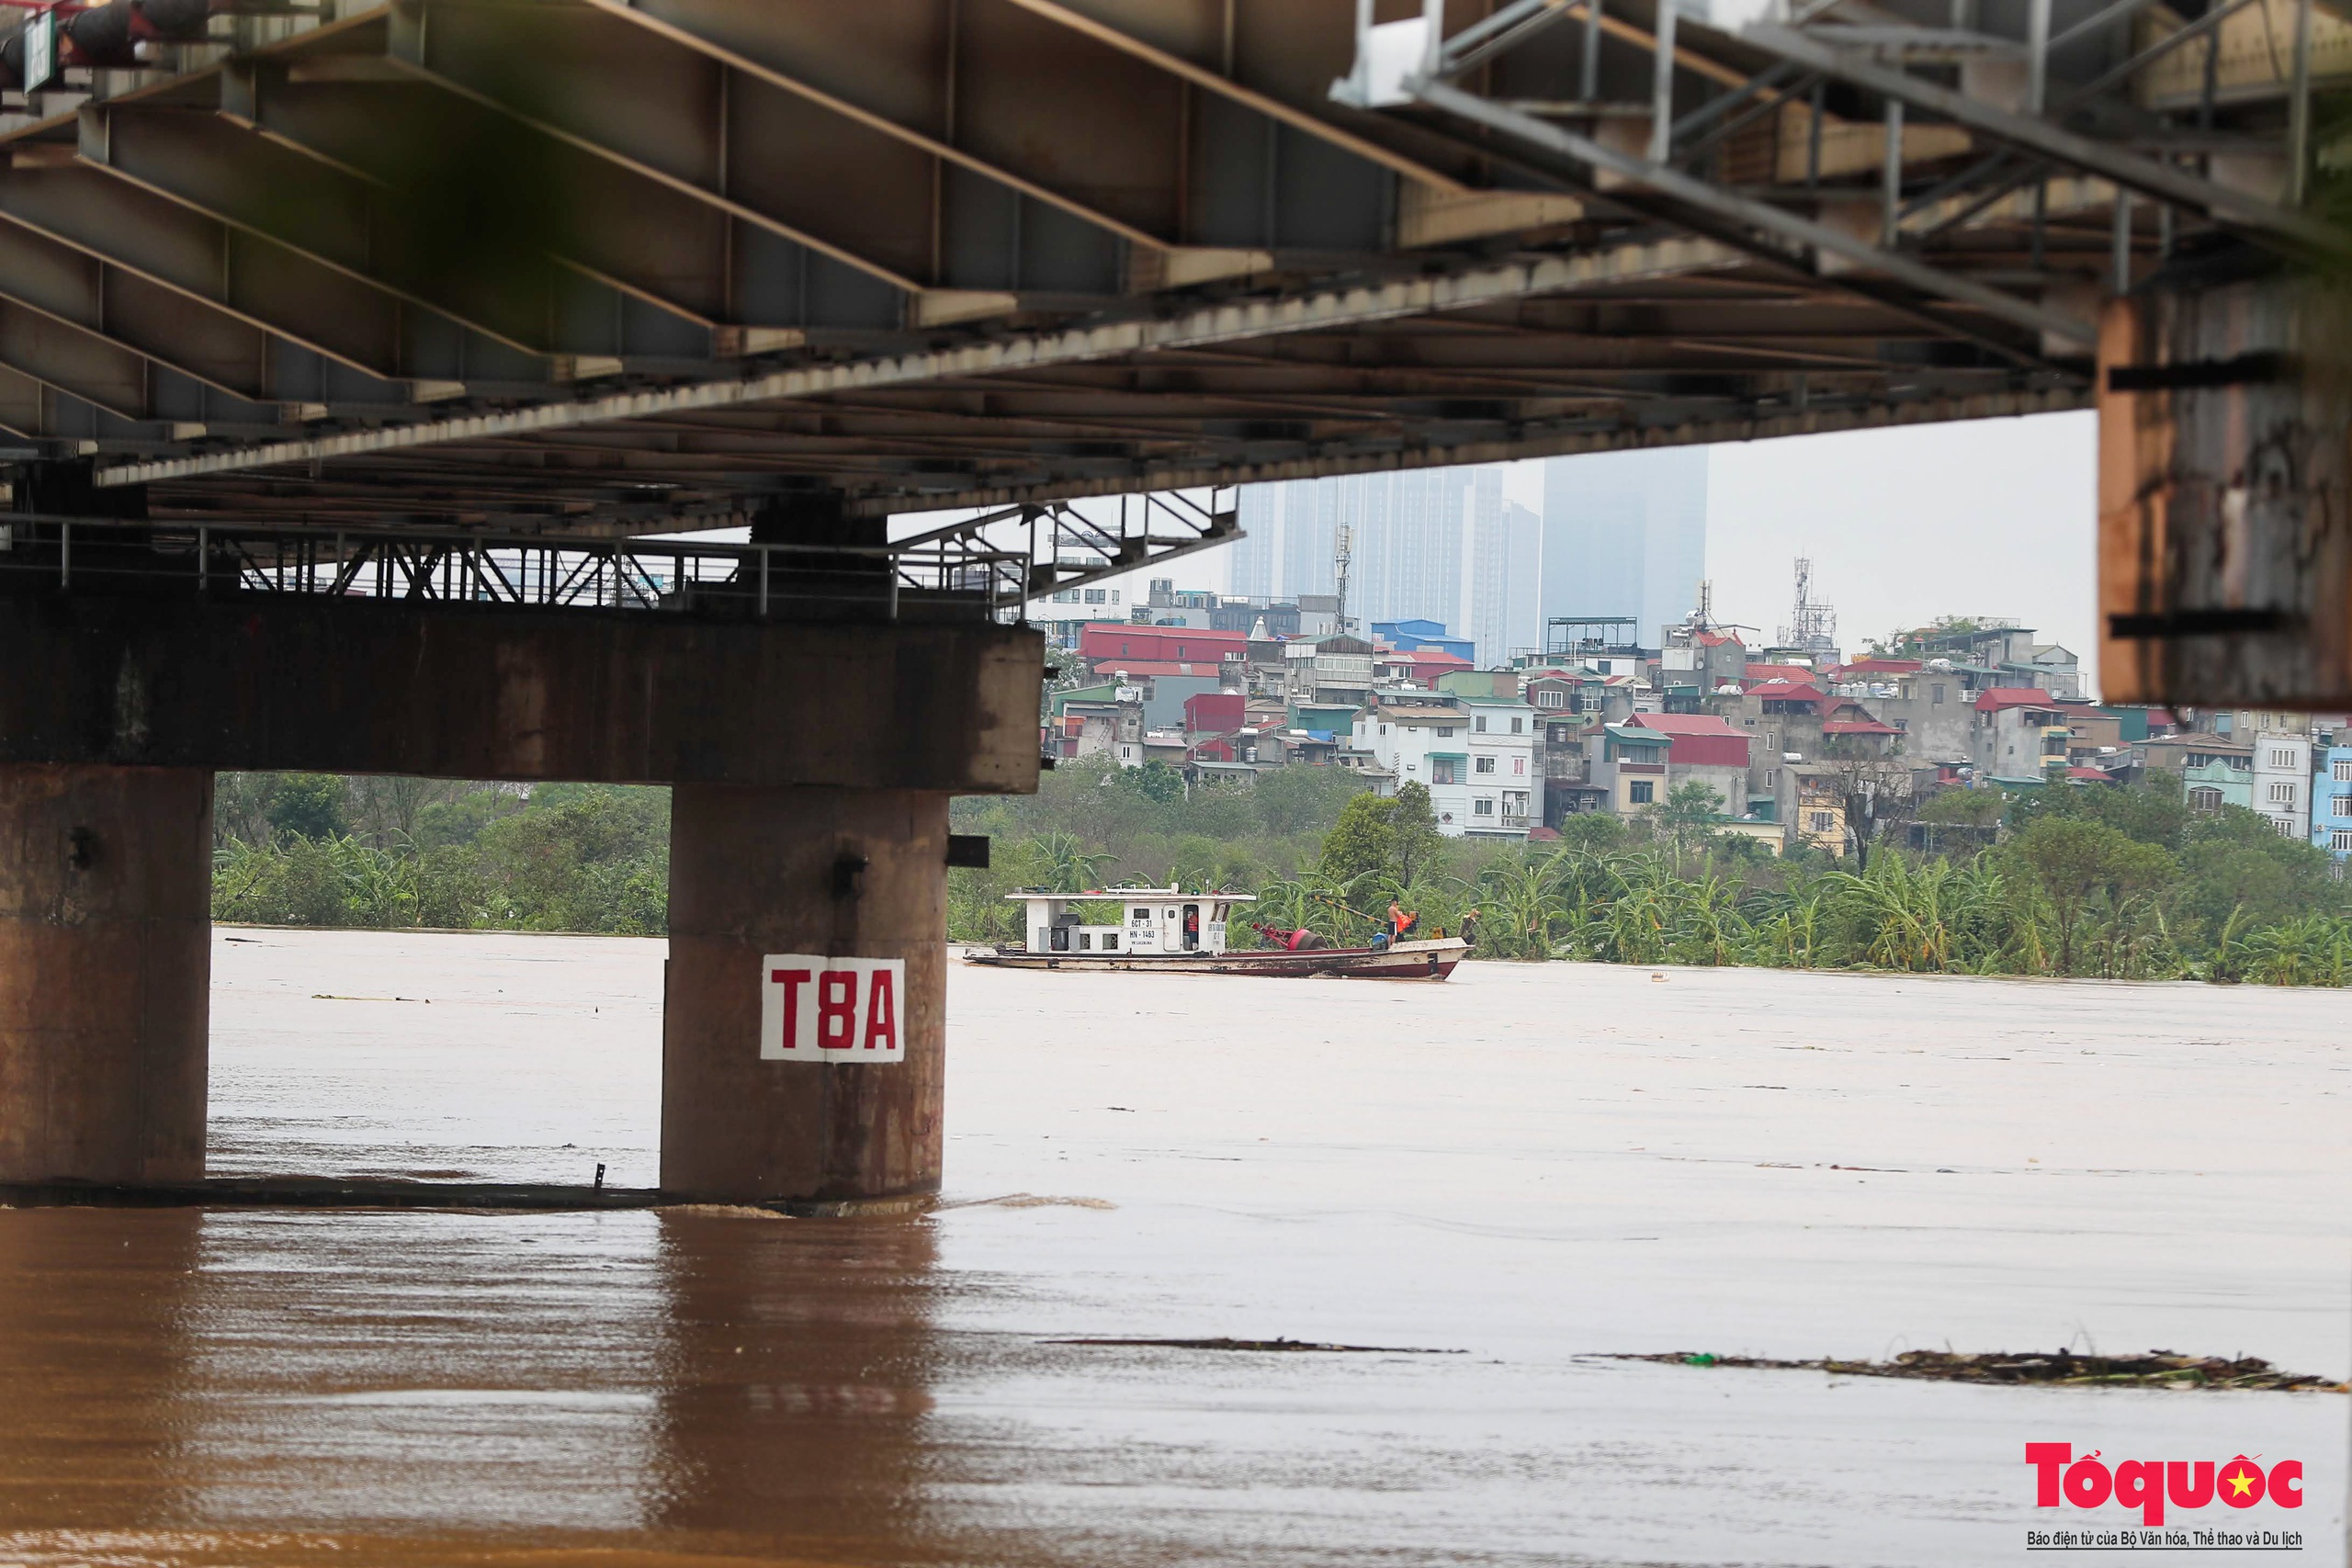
(1524, 1169)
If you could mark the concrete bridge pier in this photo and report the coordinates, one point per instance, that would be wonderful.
(105, 877)
(813, 762)
(770, 880)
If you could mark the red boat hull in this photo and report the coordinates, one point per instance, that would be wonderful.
(1432, 960)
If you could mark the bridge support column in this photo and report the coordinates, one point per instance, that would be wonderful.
(823, 872)
(105, 960)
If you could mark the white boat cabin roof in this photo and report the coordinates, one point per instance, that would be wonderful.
(1129, 896)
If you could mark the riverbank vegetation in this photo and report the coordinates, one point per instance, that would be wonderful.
(2123, 883)
(2126, 884)
(321, 850)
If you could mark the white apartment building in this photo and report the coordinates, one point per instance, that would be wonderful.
(1506, 774)
(2283, 781)
(1477, 758)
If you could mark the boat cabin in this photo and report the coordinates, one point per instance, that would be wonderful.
(1158, 921)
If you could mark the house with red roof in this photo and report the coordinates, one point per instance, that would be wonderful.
(1419, 666)
(1705, 749)
(2019, 732)
(1108, 645)
(1871, 669)
(1788, 696)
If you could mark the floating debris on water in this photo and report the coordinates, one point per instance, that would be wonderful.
(2157, 1369)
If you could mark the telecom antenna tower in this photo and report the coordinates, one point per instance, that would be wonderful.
(1813, 626)
(1342, 551)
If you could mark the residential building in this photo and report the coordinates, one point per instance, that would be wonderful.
(1703, 749)
(1419, 667)
(1176, 651)
(2332, 799)
(1705, 659)
(1255, 617)
(1329, 670)
(1477, 759)
(1811, 804)
(1099, 721)
(1505, 769)
(2240, 722)
(2215, 771)
(2056, 669)
(1214, 713)
(2018, 734)
(1628, 764)
(1933, 704)
(2283, 781)
(1420, 634)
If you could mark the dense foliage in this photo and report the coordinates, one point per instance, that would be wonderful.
(2115, 883)
(2068, 880)
(320, 850)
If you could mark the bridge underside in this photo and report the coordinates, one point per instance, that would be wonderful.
(346, 360)
(596, 265)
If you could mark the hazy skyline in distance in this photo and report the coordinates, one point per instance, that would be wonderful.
(1984, 517)
(1981, 517)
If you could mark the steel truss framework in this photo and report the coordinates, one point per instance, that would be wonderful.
(960, 565)
(606, 268)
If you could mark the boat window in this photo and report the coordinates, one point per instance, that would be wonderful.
(1085, 940)
(1110, 941)
(1062, 939)
(1171, 914)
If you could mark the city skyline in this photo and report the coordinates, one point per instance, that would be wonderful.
(1993, 517)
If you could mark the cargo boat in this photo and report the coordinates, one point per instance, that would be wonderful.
(1165, 932)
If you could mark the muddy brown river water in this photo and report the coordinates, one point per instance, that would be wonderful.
(1527, 1167)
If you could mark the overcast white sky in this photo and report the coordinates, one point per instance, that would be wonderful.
(1990, 517)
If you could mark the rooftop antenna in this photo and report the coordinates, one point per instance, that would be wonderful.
(1343, 550)
(1813, 626)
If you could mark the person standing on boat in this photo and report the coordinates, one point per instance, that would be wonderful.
(1400, 921)
(1470, 928)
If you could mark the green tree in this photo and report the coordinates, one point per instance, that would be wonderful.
(2087, 868)
(309, 806)
(1417, 846)
(1067, 865)
(1685, 817)
(1301, 799)
(1363, 842)
(1964, 807)
(1158, 782)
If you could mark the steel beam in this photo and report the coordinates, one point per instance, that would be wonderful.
(1239, 319)
(645, 101)
(300, 186)
(1760, 215)
(2165, 183)
(247, 277)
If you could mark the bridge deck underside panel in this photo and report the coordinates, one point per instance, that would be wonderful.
(617, 266)
(614, 267)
